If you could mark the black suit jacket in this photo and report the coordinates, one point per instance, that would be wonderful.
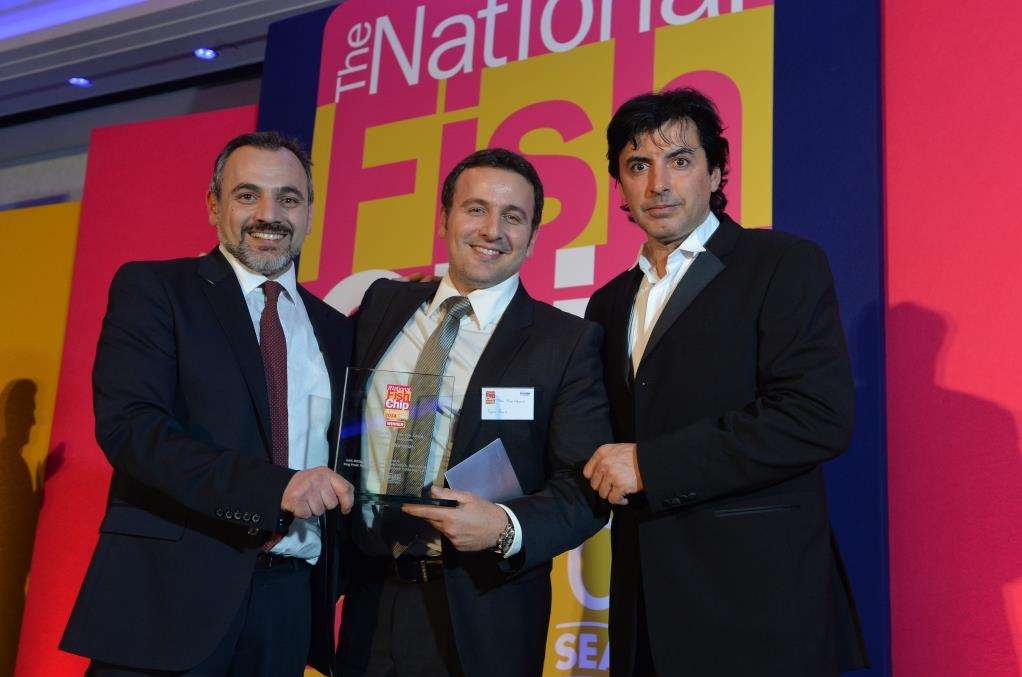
(500, 608)
(182, 414)
(744, 389)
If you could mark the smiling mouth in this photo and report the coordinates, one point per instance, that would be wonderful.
(487, 251)
(267, 235)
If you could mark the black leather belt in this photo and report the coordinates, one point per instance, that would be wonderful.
(267, 560)
(416, 569)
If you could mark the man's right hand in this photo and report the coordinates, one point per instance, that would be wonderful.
(314, 491)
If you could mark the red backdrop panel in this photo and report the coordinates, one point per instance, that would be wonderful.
(144, 199)
(953, 91)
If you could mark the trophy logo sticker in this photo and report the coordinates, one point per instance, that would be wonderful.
(397, 406)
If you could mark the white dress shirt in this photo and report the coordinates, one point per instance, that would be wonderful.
(308, 393)
(654, 291)
(474, 332)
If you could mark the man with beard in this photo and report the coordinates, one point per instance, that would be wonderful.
(215, 390)
(730, 385)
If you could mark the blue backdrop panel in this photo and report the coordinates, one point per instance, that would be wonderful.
(828, 180)
(287, 99)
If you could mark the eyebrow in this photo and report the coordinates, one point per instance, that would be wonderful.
(290, 189)
(677, 152)
(256, 189)
(515, 208)
(683, 150)
(483, 203)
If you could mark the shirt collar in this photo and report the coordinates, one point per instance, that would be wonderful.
(691, 245)
(250, 281)
(488, 305)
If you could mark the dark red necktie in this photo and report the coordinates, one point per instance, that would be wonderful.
(274, 349)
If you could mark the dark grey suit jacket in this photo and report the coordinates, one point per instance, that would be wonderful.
(500, 608)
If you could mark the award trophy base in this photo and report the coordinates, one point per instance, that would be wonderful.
(370, 498)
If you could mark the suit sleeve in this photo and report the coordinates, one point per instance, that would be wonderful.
(802, 415)
(134, 382)
(565, 512)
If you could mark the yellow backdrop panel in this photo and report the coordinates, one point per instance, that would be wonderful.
(38, 259)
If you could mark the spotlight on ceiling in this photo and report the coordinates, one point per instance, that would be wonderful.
(79, 81)
(206, 53)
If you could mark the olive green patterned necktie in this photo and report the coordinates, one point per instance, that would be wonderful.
(425, 384)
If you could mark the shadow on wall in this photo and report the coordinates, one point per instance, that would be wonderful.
(957, 471)
(19, 507)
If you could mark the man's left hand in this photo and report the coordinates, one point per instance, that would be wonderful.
(613, 472)
(474, 525)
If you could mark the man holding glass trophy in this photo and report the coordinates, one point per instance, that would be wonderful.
(469, 411)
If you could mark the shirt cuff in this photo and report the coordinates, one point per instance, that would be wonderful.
(516, 544)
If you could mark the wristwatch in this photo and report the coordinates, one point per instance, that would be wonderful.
(506, 538)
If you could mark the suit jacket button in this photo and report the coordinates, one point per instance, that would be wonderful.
(256, 518)
(219, 512)
(237, 514)
(246, 517)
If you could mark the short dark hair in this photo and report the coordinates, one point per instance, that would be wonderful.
(498, 158)
(650, 113)
(266, 141)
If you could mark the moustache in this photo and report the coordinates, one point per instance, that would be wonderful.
(280, 227)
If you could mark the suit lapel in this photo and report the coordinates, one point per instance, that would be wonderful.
(508, 336)
(707, 266)
(617, 336)
(224, 295)
(393, 316)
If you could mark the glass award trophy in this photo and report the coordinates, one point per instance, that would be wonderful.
(395, 435)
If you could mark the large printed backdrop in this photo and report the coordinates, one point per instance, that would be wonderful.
(398, 93)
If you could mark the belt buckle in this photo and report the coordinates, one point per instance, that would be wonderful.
(423, 571)
(412, 570)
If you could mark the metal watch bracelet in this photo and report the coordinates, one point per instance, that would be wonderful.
(506, 538)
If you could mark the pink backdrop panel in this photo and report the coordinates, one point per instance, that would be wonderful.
(953, 89)
(144, 199)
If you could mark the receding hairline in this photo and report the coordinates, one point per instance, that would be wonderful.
(264, 140)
